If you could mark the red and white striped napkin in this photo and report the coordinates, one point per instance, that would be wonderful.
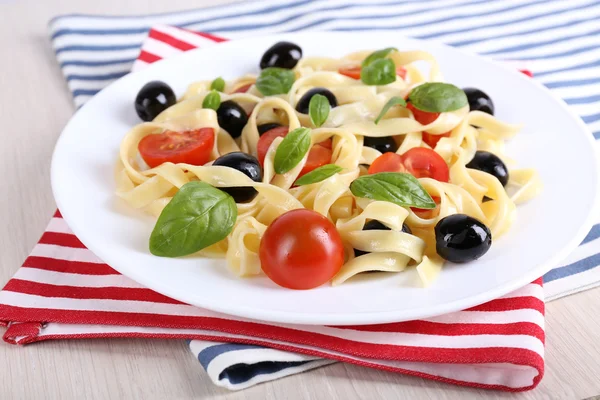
(63, 291)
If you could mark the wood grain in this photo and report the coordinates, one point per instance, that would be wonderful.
(34, 107)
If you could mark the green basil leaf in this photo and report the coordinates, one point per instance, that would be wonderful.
(318, 175)
(379, 72)
(274, 81)
(218, 84)
(376, 55)
(318, 109)
(394, 101)
(198, 215)
(437, 97)
(291, 150)
(212, 100)
(396, 187)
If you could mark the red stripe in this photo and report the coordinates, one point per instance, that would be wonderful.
(57, 214)
(350, 347)
(214, 38)
(85, 293)
(148, 57)
(458, 329)
(513, 303)
(536, 362)
(71, 267)
(61, 239)
(170, 40)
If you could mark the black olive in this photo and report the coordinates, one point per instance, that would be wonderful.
(302, 106)
(248, 165)
(281, 55)
(479, 100)
(460, 238)
(152, 99)
(232, 118)
(376, 225)
(267, 127)
(383, 144)
(490, 163)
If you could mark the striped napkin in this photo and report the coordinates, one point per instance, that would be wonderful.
(63, 289)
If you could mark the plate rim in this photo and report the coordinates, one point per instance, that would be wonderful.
(366, 318)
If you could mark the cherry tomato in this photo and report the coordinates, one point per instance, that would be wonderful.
(423, 117)
(387, 162)
(425, 213)
(266, 139)
(425, 163)
(190, 147)
(354, 72)
(301, 249)
(432, 140)
(319, 155)
(242, 89)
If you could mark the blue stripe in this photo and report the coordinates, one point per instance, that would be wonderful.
(111, 47)
(210, 353)
(577, 267)
(240, 373)
(83, 63)
(593, 234)
(588, 119)
(573, 68)
(104, 77)
(569, 83)
(564, 54)
(568, 24)
(84, 92)
(596, 135)
(583, 100)
(521, 47)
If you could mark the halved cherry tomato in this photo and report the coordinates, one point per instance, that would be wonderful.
(423, 117)
(243, 89)
(425, 163)
(425, 213)
(301, 249)
(190, 147)
(319, 155)
(387, 162)
(432, 140)
(354, 72)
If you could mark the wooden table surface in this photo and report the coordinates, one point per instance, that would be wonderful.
(34, 107)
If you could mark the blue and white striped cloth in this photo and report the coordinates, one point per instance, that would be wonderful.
(559, 41)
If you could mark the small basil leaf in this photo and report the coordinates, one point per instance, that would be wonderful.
(379, 72)
(437, 97)
(218, 84)
(318, 175)
(394, 101)
(274, 81)
(398, 188)
(212, 100)
(291, 150)
(318, 109)
(198, 215)
(376, 55)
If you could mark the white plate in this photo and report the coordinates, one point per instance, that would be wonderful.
(553, 141)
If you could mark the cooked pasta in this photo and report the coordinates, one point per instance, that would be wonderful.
(350, 124)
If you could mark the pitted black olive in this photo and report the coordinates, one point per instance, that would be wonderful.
(490, 163)
(373, 225)
(383, 144)
(232, 118)
(281, 55)
(302, 106)
(479, 100)
(460, 238)
(152, 99)
(249, 166)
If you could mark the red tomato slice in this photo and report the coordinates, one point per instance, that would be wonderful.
(425, 163)
(425, 213)
(423, 117)
(301, 249)
(387, 162)
(432, 140)
(243, 89)
(354, 72)
(266, 139)
(317, 157)
(328, 144)
(190, 147)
